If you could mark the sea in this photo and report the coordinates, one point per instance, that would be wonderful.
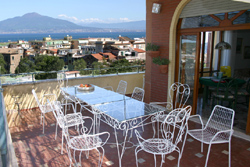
(30, 37)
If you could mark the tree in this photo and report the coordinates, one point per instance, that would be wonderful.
(2, 64)
(48, 63)
(80, 65)
(25, 66)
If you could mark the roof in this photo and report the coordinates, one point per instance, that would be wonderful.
(8, 50)
(54, 50)
(139, 50)
(125, 39)
(72, 72)
(111, 56)
(98, 56)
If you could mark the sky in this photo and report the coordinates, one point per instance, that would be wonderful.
(78, 11)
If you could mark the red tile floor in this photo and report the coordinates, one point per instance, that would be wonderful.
(33, 148)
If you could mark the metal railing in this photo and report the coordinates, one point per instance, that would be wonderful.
(8, 79)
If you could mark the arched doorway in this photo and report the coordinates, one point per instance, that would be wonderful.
(196, 37)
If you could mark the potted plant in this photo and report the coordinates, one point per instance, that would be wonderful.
(162, 62)
(152, 50)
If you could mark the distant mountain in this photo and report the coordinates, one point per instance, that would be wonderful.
(36, 23)
(133, 25)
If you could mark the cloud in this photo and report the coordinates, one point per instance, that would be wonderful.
(63, 16)
(93, 20)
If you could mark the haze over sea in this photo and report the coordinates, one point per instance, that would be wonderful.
(29, 37)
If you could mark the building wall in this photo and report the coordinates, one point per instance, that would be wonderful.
(158, 27)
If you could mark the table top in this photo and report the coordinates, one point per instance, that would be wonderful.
(118, 106)
(211, 81)
(127, 109)
(97, 96)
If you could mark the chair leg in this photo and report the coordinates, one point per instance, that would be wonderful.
(208, 152)
(41, 118)
(155, 159)
(229, 153)
(43, 123)
(103, 152)
(62, 144)
(56, 130)
(136, 155)
(153, 126)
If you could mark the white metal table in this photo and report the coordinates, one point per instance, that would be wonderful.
(118, 111)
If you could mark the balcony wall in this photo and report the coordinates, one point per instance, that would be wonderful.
(27, 100)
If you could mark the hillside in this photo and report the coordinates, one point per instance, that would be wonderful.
(36, 23)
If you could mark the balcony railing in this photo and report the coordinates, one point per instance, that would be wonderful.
(8, 79)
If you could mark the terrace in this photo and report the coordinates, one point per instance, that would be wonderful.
(30, 147)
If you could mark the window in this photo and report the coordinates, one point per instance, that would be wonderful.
(13, 57)
(199, 21)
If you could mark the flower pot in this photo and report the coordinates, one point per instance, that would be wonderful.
(153, 53)
(164, 69)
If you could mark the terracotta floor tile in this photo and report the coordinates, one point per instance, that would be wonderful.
(32, 148)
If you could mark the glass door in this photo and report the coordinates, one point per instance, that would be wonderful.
(188, 64)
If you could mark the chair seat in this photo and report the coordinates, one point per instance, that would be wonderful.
(70, 120)
(158, 146)
(242, 92)
(222, 96)
(85, 142)
(207, 136)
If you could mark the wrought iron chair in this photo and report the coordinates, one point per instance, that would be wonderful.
(178, 95)
(173, 129)
(44, 106)
(85, 142)
(122, 86)
(68, 120)
(138, 94)
(66, 99)
(218, 129)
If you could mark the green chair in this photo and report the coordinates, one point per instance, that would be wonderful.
(244, 92)
(226, 91)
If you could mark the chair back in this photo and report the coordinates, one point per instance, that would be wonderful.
(176, 124)
(178, 95)
(138, 94)
(37, 100)
(248, 86)
(58, 113)
(122, 86)
(62, 82)
(220, 119)
(225, 88)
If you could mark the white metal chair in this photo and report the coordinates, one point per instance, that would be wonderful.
(138, 94)
(68, 120)
(178, 95)
(173, 129)
(122, 86)
(85, 142)
(218, 129)
(44, 106)
(66, 98)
